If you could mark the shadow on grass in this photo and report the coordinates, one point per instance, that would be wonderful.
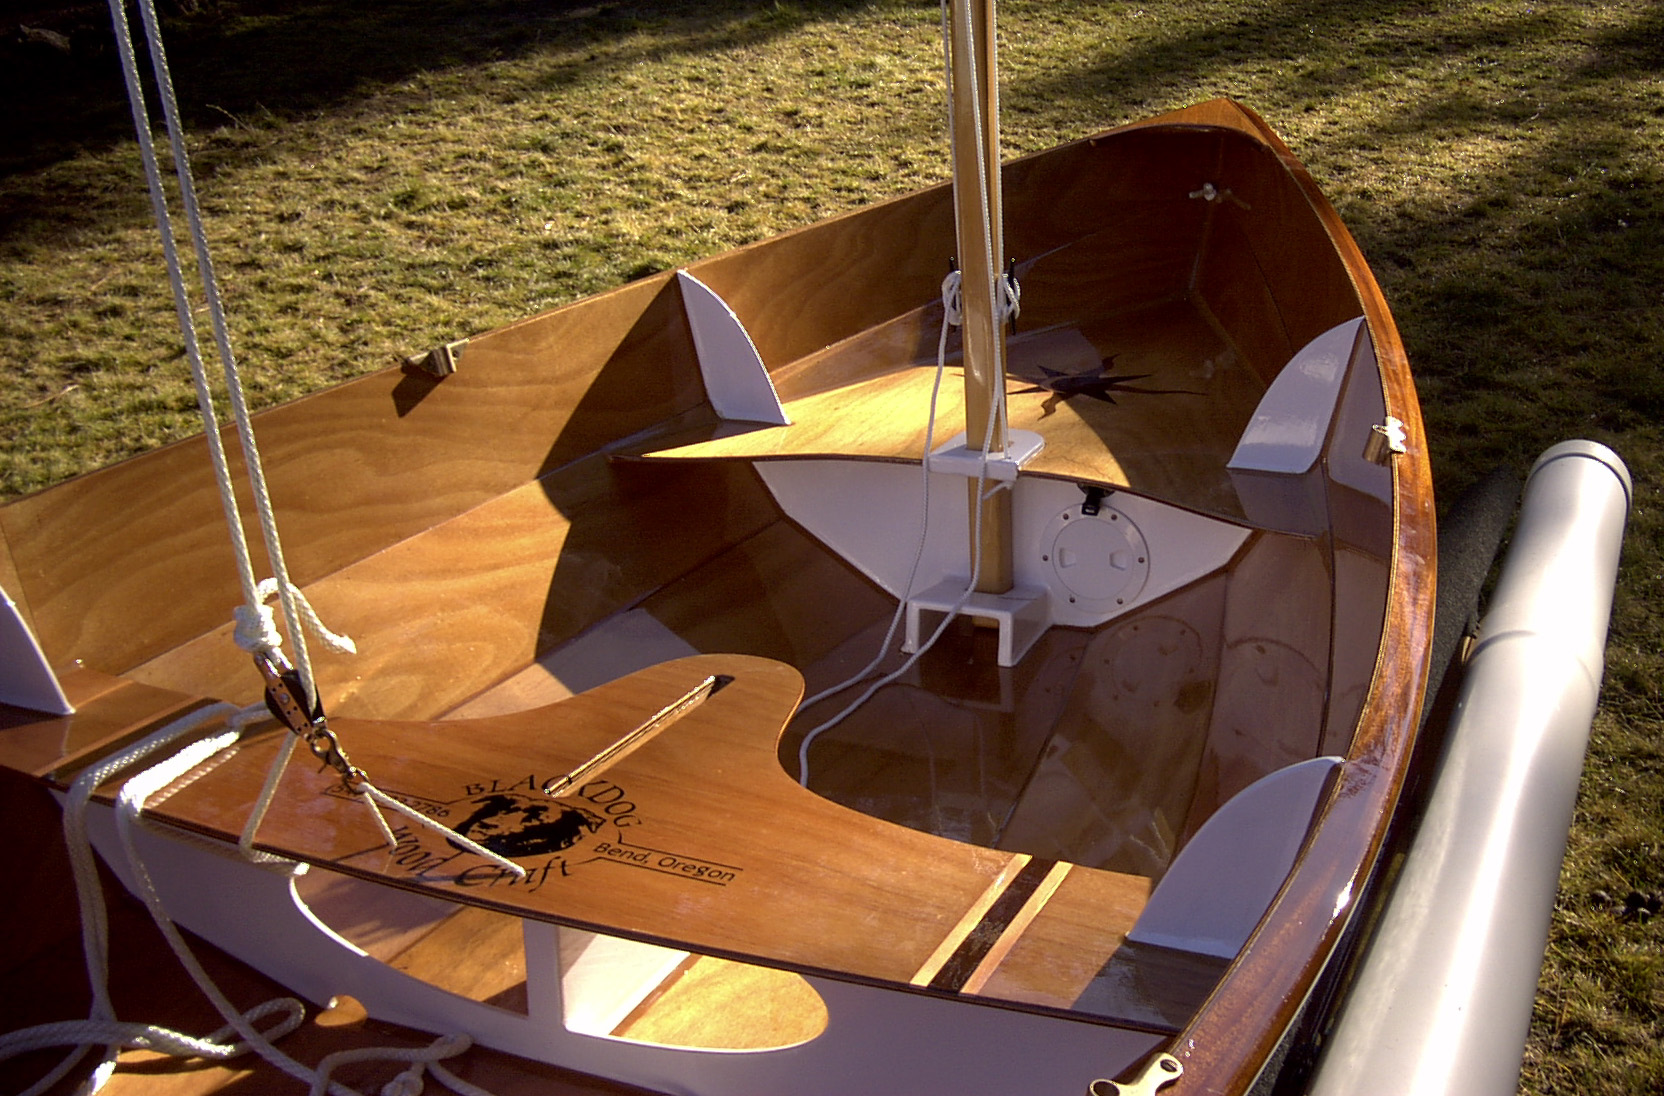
(1537, 320)
(250, 61)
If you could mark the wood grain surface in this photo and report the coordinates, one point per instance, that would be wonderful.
(697, 840)
(1225, 1045)
(476, 531)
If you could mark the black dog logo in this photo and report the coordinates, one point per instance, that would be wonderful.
(519, 825)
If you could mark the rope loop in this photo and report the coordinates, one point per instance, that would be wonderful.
(953, 300)
(408, 1082)
(1010, 298)
(256, 631)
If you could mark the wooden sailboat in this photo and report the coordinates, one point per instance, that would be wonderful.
(1127, 802)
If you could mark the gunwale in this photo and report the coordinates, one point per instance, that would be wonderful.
(1342, 855)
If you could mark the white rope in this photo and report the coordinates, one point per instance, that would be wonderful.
(153, 1037)
(216, 315)
(950, 289)
(383, 799)
(263, 802)
(1005, 294)
(253, 619)
(1007, 298)
(256, 630)
(101, 1028)
(181, 301)
(129, 804)
(1010, 298)
(953, 308)
(374, 800)
(951, 314)
(268, 792)
(408, 1082)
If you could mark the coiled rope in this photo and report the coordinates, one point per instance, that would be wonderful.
(102, 1028)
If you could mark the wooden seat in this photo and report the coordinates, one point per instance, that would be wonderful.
(696, 840)
(1167, 434)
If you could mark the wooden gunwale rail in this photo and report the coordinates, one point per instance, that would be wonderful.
(1226, 1044)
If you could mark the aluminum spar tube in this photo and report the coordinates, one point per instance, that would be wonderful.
(1442, 1002)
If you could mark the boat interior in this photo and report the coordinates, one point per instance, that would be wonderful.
(568, 519)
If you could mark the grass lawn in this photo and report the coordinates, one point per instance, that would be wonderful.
(381, 178)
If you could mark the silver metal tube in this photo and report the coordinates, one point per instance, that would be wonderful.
(1442, 1003)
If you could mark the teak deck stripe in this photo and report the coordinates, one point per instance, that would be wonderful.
(980, 940)
(1014, 931)
(951, 943)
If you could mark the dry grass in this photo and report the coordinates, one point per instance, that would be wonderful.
(381, 178)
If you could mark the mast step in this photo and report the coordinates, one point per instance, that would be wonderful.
(1021, 613)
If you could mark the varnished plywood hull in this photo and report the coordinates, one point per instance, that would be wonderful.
(526, 549)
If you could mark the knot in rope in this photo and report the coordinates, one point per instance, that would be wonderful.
(1011, 298)
(1008, 295)
(410, 1081)
(953, 301)
(256, 628)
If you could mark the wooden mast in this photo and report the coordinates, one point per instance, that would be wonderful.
(977, 208)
